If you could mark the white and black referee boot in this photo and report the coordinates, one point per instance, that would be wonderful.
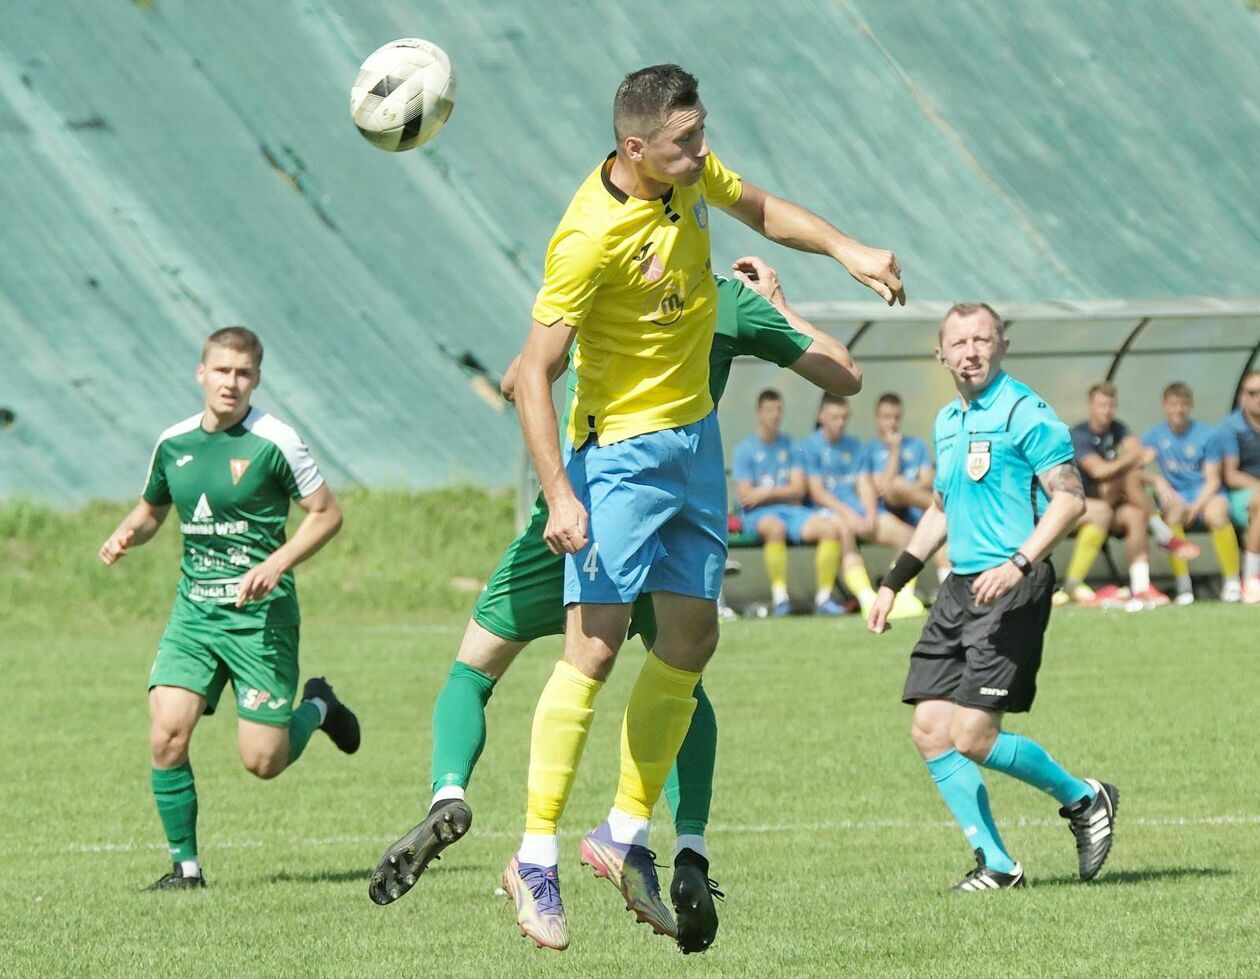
(982, 878)
(1093, 823)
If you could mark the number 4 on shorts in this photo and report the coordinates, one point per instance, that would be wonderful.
(591, 564)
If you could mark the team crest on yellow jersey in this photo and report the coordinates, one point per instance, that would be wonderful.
(701, 210)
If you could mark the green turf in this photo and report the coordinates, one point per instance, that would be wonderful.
(828, 836)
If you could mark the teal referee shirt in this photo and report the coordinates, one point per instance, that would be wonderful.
(988, 457)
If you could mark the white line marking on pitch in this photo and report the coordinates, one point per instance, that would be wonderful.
(717, 829)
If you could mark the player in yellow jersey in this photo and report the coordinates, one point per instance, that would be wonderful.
(638, 495)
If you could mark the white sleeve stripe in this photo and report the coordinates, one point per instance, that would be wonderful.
(305, 473)
(179, 428)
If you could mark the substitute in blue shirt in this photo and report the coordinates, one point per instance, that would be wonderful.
(1189, 488)
(1240, 458)
(1007, 491)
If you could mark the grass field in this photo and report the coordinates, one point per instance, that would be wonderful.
(827, 834)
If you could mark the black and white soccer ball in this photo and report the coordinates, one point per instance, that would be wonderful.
(403, 94)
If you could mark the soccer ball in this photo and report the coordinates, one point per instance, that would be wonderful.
(403, 94)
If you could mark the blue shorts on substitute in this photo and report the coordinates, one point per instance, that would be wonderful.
(793, 517)
(657, 507)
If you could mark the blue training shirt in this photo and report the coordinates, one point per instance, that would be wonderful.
(766, 465)
(838, 463)
(1181, 457)
(988, 457)
(1240, 441)
(914, 457)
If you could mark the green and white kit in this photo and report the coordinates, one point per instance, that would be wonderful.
(232, 490)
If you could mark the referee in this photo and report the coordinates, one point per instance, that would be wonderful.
(1006, 491)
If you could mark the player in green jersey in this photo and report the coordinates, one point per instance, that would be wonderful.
(523, 601)
(230, 472)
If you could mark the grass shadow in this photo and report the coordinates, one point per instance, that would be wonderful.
(1120, 877)
(349, 876)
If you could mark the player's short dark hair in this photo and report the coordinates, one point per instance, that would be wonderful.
(1102, 387)
(832, 399)
(1178, 389)
(768, 394)
(645, 97)
(236, 338)
(888, 398)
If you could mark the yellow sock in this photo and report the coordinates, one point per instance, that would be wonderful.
(1226, 545)
(1089, 541)
(1179, 566)
(775, 552)
(561, 723)
(826, 564)
(656, 722)
(857, 580)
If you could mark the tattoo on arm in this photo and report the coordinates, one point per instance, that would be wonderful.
(1063, 479)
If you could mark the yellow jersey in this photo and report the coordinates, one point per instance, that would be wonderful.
(635, 279)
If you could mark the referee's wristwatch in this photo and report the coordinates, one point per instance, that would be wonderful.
(1020, 560)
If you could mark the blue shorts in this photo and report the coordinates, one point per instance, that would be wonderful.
(657, 508)
(1238, 502)
(793, 515)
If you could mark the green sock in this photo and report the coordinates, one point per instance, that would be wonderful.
(303, 723)
(459, 724)
(176, 796)
(689, 788)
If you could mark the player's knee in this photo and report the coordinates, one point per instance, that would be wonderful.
(772, 529)
(975, 745)
(263, 765)
(169, 746)
(931, 740)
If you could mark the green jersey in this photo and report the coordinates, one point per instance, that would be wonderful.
(748, 324)
(231, 490)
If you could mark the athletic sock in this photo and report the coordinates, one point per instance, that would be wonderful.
(694, 843)
(1226, 545)
(859, 583)
(689, 788)
(304, 722)
(1251, 565)
(1139, 576)
(561, 723)
(1163, 533)
(628, 829)
(190, 868)
(1184, 585)
(541, 849)
(176, 795)
(459, 726)
(1024, 759)
(652, 730)
(776, 558)
(961, 785)
(1089, 542)
(1176, 563)
(826, 566)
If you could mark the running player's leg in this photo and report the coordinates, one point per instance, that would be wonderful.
(173, 714)
(820, 528)
(186, 681)
(937, 664)
(1004, 645)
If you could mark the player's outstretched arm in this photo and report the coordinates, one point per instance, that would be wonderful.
(137, 528)
(826, 362)
(545, 353)
(319, 526)
(926, 540)
(787, 223)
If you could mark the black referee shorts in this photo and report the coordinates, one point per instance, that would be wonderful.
(983, 656)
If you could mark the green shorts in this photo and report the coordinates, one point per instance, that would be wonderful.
(1239, 500)
(524, 598)
(261, 663)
